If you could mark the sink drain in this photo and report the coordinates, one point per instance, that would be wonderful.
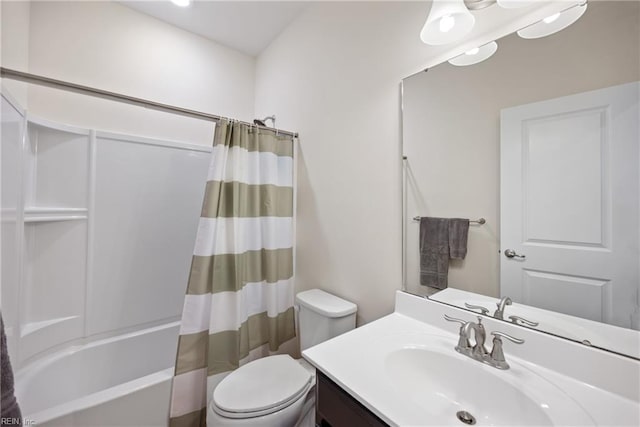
(466, 417)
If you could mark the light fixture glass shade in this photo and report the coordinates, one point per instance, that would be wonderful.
(554, 23)
(514, 4)
(181, 3)
(448, 21)
(475, 55)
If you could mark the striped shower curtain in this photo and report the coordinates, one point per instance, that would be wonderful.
(240, 291)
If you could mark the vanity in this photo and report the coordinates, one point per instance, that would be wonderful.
(403, 370)
(336, 407)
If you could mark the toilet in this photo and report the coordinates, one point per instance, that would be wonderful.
(278, 391)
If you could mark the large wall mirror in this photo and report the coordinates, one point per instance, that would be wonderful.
(540, 141)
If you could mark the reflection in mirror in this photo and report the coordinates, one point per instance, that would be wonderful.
(541, 140)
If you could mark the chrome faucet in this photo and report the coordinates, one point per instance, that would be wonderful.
(499, 313)
(479, 352)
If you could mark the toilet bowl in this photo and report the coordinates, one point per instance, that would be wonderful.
(273, 391)
(279, 391)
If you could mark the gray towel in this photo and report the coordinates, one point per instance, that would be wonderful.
(9, 409)
(458, 233)
(434, 252)
(440, 240)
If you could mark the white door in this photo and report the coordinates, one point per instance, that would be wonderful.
(569, 204)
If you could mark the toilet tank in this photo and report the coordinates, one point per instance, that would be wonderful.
(323, 316)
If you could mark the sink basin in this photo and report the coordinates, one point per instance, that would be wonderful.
(443, 383)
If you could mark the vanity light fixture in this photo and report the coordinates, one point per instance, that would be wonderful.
(478, 4)
(514, 4)
(181, 3)
(475, 55)
(448, 21)
(554, 23)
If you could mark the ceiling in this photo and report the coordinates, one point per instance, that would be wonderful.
(246, 26)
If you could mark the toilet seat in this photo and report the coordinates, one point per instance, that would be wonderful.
(261, 387)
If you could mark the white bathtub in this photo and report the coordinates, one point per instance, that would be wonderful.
(119, 381)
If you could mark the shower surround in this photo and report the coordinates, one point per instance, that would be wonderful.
(97, 235)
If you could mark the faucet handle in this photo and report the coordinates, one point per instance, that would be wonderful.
(454, 319)
(496, 358)
(498, 334)
(464, 346)
(521, 320)
(483, 310)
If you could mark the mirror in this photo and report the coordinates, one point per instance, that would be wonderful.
(541, 141)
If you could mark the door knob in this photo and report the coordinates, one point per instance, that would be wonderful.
(510, 253)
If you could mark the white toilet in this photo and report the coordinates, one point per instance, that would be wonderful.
(278, 391)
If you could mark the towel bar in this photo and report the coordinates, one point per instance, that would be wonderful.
(478, 221)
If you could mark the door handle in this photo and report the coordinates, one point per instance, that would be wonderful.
(510, 253)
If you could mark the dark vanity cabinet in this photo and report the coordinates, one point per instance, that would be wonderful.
(336, 408)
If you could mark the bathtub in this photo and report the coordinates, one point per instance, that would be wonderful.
(119, 381)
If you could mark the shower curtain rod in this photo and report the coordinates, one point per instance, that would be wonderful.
(99, 93)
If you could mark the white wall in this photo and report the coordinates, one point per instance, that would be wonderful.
(333, 75)
(327, 79)
(111, 47)
(14, 45)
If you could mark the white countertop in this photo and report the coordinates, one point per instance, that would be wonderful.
(359, 362)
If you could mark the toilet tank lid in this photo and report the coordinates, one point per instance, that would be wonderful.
(325, 303)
